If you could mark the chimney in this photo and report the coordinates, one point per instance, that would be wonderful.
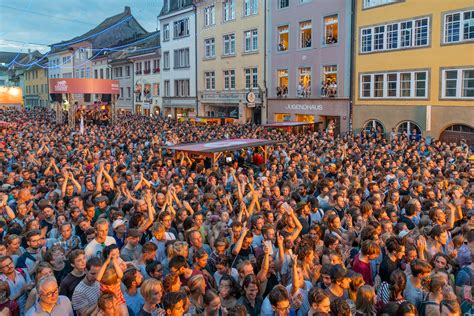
(29, 55)
(127, 10)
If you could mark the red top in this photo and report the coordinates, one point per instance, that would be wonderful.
(363, 268)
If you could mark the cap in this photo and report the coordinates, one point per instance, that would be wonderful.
(339, 272)
(118, 222)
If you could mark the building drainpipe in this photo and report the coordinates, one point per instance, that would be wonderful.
(352, 67)
(195, 58)
(265, 94)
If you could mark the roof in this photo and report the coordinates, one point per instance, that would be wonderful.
(222, 145)
(108, 22)
(288, 124)
(7, 57)
(174, 6)
(150, 45)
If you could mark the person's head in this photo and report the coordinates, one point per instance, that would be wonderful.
(102, 229)
(420, 268)
(195, 239)
(107, 303)
(200, 258)
(43, 269)
(340, 276)
(339, 307)
(47, 289)
(93, 266)
(280, 300)
(439, 234)
(370, 249)
(6, 265)
(77, 258)
(152, 291)
(250, 287)
(33, 239)
(212, 302)
(398, 282)
(155, 270)
(407, 309)
(244, 268)
(365, 301)
(197, 284)
(171, 283)
(395, 247)
(133, 237)
(440, 262)
(174, 303)
(55, 255)
(319, 301)
(66, 230)
(437, 283)
(4, 291)
(228, 287)
(178, 264)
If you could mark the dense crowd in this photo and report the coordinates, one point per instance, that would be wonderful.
(109, 223)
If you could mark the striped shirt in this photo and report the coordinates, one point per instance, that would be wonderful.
(85, 295)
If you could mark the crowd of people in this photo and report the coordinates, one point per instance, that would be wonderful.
(109, 223)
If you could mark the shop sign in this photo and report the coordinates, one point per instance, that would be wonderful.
(305, 107)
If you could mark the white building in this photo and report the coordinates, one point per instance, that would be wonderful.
(178, 62)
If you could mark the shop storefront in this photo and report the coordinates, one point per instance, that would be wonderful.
(310, 110)
(179, 107)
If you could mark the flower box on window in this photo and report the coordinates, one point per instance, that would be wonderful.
(156, 70)
(138, 72)
(146, 71)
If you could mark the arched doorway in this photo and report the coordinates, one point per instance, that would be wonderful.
(408, 127)
(373, 124)
(456, 132)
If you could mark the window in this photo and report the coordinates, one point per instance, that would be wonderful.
(121, 93)
(392, 36)
(138, 67)
(147, 67)
(129, 92)
(282, 77)
(405, 84)
(458, 83)
(229, 10)
(303, 89)
(251, 40)
(107, 73)
(118, 72)
(409, 84)
(181, 88)
(374, 125)
(166, 60)
(210, 78)
(181, 28)
(166, 32)
(82, 72)
(251, 78)
(283, 34)
(210, 15)
(65, 60)
(459, 27)
(392, 85)
(156, 89)
(166, 93)
(405, 34)
(96, 74)
(408, 128)
(305, 1)
(250, 7)
(378, 86)
(376, 3)
(329, 88)
(156, 65)
(283, 4)
(101, 71)
(229, 79)
(210, 48)
(229, 44)
(366, 40)
(330, 29)
(305, 34)
(181, 58)
(127, 71)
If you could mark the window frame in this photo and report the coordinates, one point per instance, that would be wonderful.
(210, 80)
(250, 7)
(366, 5)
(166, 32)
(412, 88)
(229, 39)
(280, 2)
(229, 79)
(460, 79)
(209, 15)
(252, 37)
(301, 28)
(228, 8)
(210, 44)
(461, 30)
(325, 30)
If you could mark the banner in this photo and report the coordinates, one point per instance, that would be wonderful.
(83, 86)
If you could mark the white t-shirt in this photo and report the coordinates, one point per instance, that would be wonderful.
(94, 249)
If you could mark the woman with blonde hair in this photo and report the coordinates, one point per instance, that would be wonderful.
(152, 292)
(365, 301)
(197, 289)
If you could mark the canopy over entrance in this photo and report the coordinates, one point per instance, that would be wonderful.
(215, 149)
(294, 127)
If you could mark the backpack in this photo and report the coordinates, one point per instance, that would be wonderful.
(23, 273)
(424, 303)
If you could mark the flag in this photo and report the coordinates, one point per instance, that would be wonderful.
(82, 125)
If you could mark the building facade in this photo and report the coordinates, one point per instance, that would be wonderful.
(122, 70)
(309, 65)
(414, 68)
(231, 59)
(35, 93)
(178, 60)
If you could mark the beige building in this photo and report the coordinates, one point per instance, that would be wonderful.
(231, 59)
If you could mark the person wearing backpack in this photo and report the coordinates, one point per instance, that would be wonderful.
(465, 280)
(430, 304)
(18, 280)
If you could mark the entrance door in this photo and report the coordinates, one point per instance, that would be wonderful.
(257, 116)
(337, 123)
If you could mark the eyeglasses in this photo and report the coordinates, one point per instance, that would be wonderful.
(51, 294)
(7, 265)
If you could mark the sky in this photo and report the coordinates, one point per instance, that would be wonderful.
(31, 24)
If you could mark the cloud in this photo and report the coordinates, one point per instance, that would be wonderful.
(46, 22)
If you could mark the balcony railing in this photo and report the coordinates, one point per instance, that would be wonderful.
(138, 72)
(156, 70)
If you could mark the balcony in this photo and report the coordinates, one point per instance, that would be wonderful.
(138, 72)
(156, 70)
(147, 71)
(329, 90)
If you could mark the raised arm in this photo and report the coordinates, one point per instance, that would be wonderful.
(238, 244)
(262, 274)
(298, 228)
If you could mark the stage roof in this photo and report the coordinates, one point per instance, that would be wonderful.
(222, 145)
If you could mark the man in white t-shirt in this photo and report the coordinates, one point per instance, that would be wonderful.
(101, 240)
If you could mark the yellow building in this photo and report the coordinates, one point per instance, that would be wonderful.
(414, 67)
(231, 59)
(36, 85)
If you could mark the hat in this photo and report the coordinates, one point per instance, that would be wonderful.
(339, 272)
(101, 198)
(118, 222)
(7, 187)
